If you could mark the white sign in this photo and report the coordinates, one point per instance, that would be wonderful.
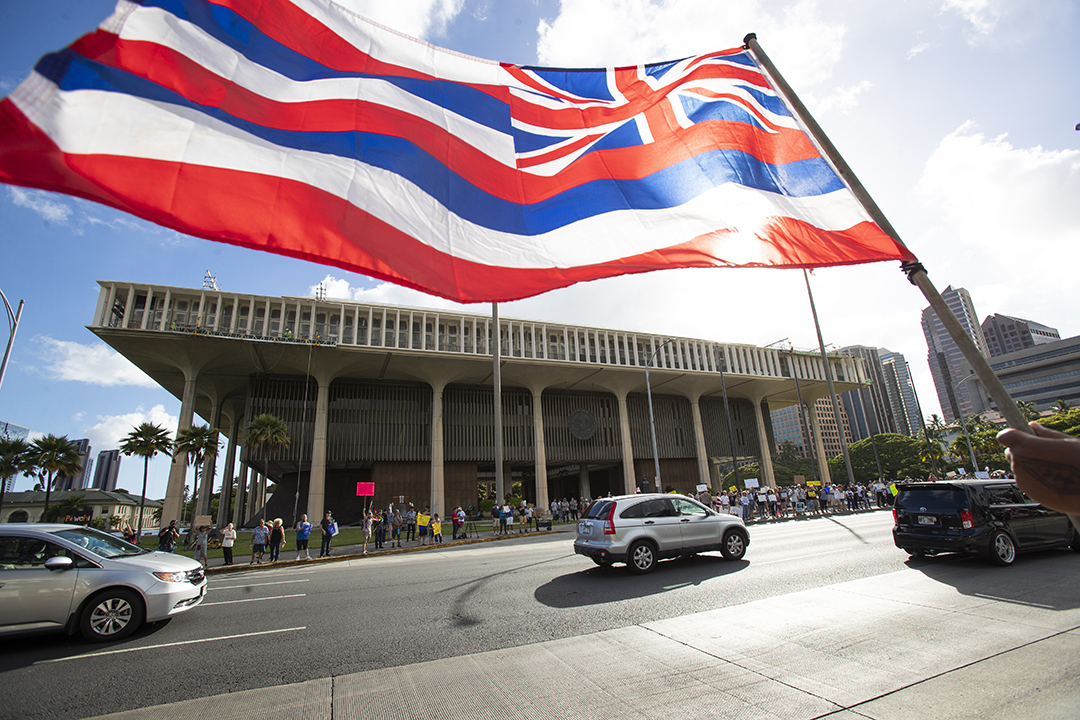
(750, 482)
(982, 475)
(702, 488)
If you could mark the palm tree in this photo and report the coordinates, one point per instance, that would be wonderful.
(1027, 410)
(146, 441)
(53, 456)
(1061, 406)
(199, 443)
(14, 459)
(267, 432)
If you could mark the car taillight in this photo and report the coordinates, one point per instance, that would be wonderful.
(895, 519)
(609, 523)
(965, 519)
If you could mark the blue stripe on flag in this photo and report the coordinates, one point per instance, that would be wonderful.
(583, 83)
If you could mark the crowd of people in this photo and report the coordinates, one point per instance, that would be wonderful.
(774, 503)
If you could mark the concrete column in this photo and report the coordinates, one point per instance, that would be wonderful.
(627, 445)
(438, 470)
(542, 500)
(584, 486)
(819, 445)
(174, 493)
(699, 442)
(316, 499)
(227, 477)
(764, 451)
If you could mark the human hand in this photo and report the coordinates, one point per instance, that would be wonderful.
(1046, 465)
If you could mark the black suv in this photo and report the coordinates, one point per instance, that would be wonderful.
(984, 517)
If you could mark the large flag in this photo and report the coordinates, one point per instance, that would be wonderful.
(300, 128)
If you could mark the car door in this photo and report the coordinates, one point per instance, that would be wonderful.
(699, 531)
(1008, 506)
(660, 521)
(1051, 527)
(31, 594)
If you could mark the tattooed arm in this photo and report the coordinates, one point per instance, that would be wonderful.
(1046, 465)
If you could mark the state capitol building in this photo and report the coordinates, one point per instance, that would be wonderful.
(403, 397)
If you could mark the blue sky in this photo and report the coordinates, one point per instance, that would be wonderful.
(957, 115)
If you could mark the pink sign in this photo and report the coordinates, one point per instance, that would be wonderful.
(365, 489)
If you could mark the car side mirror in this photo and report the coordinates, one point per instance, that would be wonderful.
(59, 563)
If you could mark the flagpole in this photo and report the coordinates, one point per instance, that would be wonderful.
(914, 270)
(496, 358)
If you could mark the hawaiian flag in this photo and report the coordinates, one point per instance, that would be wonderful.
(300, 128)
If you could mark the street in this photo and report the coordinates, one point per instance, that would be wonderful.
(294, 624)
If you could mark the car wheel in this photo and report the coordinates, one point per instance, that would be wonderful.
(734, 546)
(1002, 549)
(112, 615)
(642, 558)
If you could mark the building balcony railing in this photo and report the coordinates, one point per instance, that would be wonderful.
(214, 313)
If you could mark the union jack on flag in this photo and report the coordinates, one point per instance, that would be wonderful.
(300, 128)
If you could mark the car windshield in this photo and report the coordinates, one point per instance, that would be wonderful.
(99, 543)
(933, 499)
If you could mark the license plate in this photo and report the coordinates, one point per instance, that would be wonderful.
(585, 529)
(927, 520)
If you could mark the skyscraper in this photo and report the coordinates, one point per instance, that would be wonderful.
(1005, 334)
(901, 392)
(13, 432)
(78, 482)
(106, 469)
(947, 363)
(868, 408)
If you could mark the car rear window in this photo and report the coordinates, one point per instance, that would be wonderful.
(598, 510)
(932, 499)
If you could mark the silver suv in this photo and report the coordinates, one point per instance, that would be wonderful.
(641, 529)
(72, 578)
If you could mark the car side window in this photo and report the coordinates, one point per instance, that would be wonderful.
(634, 511)
(687, 508)
(21, 553)
(1004, 495)
(660, 507)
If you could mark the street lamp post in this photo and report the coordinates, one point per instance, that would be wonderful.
(652, 422)
(963, 424)
(13, 326)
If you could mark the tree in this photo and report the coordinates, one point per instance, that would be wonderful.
(71, 505)
(53, 456)
(199, 442)
(1027, 410)
(15, 457)
(901, 456)
(146, 441)
(268, 432)
(1061, 406)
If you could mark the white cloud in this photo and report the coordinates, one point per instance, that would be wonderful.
(96, 364)
(110, 430)
(44, 204)
(418, 18)
(1008, 221)
(842, 100)
(982, 14)
(917, 49)
(598, 33)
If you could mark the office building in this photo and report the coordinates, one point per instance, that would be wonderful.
(1005, 334)
(403, 398)
(11, 431)
(901, 392)
(948, 367)
(80, 480)
(106, 470)
(1041, 374)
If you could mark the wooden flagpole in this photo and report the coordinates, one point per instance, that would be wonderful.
(915, 272)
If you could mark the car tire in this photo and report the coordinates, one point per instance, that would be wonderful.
(112, 615)
(641, 558)
(1002, 550)
(733, 546)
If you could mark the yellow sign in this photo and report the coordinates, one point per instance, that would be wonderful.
(813, 482)
(423, 520)
(436, 528)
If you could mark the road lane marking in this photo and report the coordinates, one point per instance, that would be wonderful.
(235, 587)
(800, 557)
(168, 645)
(230, 602)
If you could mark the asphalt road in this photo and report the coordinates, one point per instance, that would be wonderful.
(291, 624)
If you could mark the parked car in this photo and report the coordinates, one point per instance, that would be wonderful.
(641, 529)
(991, 518)
(71, 578)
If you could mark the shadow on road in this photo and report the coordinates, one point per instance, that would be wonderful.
(58, 646)
(1045, 579)
(600, 585)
